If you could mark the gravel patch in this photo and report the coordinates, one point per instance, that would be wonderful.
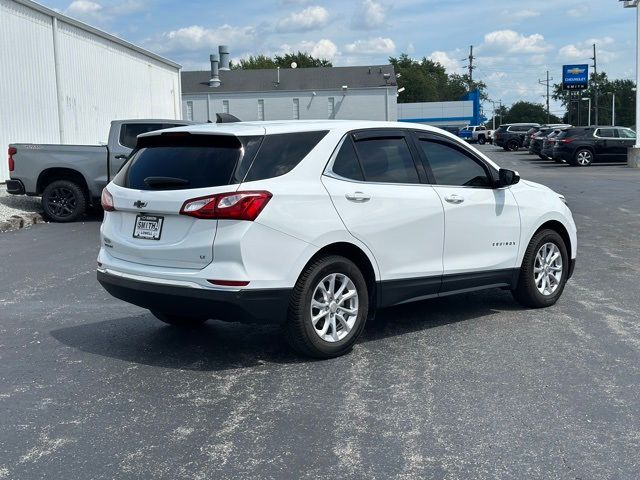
(18, 211)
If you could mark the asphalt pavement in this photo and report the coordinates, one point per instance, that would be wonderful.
(472, 386)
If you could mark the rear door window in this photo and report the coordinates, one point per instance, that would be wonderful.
(185, 161)
(346, 163)
(129, 131)
(280, 153)
(387, 160)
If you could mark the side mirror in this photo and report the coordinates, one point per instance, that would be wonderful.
(507, 177)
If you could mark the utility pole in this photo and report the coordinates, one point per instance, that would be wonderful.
(547, 83)
(471, 67)
(595, 75)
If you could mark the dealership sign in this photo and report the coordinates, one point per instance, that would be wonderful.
(575, 77)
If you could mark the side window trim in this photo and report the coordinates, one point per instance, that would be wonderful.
(419, 135)
(597, 131)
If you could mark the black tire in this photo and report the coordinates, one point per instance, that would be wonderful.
(63, 201)
(513, 145)
(527, 293)
(178, 320)
(557, 160)
(299, 330)
(583, 157)
(482, 140)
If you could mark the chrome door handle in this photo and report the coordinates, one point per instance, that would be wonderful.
(453, 198)
(358, 197)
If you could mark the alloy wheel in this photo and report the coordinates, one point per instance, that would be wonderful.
(584, 158)
(547, 269)
(62, 202)
(334, 307)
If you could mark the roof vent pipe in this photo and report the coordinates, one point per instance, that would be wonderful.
(223, 50)
(215, 77)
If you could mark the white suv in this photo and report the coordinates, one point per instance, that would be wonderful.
(315, 225)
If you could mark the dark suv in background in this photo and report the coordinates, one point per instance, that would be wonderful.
(581, 146)
(510, 136)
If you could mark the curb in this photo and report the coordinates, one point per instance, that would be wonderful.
(16, 222)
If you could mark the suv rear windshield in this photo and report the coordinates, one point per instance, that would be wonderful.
(181, 161)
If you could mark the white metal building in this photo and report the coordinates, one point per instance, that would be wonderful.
(353, 93)
(64, 81)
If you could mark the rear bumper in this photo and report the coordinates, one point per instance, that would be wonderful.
(246, 306)
(15, 187)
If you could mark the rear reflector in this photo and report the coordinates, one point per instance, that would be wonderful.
(12, 164)
(107, 201)
(229, 283)
(227, 206)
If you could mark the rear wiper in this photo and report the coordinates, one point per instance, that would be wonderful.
(165, 181)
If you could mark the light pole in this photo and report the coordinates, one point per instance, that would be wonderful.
(633, 157)
(613, 109)
(589, 100)
(494, 112)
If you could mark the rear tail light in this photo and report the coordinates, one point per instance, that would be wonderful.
(12, 164)
(227, 206)
(566, 140)
(107, 201)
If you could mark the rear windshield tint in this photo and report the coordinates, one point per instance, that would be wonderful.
(177, 162)
(280, 153)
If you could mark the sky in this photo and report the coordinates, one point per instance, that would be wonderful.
(515, 42)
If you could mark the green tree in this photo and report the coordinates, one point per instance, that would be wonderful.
(302, 59)
(427, 81)
(577, 109)
(524, 112)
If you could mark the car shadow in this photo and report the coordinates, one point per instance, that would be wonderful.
(216, 345)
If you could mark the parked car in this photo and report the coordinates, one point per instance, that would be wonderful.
(533, 130)
(314, 226)
(474, 134)
(548, 144)
(70, 178)
(582, 146)
(490, 134)
(537, 139)
(510, 136)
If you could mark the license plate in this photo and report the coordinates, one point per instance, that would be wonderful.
(148, 227)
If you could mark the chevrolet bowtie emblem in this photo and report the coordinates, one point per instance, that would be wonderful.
(139, 204)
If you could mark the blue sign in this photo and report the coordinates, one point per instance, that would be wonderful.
(575, 77)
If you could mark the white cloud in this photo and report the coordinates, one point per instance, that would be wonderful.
(579, 11)
(451, 65)
(310, 18)
(196, 37)
(369, 15)
(520, 14)
(323, 48)
(583, 51)
(88, 10)
(372, 46)
(509, 41)
(83, 8)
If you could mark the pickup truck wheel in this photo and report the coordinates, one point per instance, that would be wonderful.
(63, 201)
(178, 320)
(482, 140)
(513, 146)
